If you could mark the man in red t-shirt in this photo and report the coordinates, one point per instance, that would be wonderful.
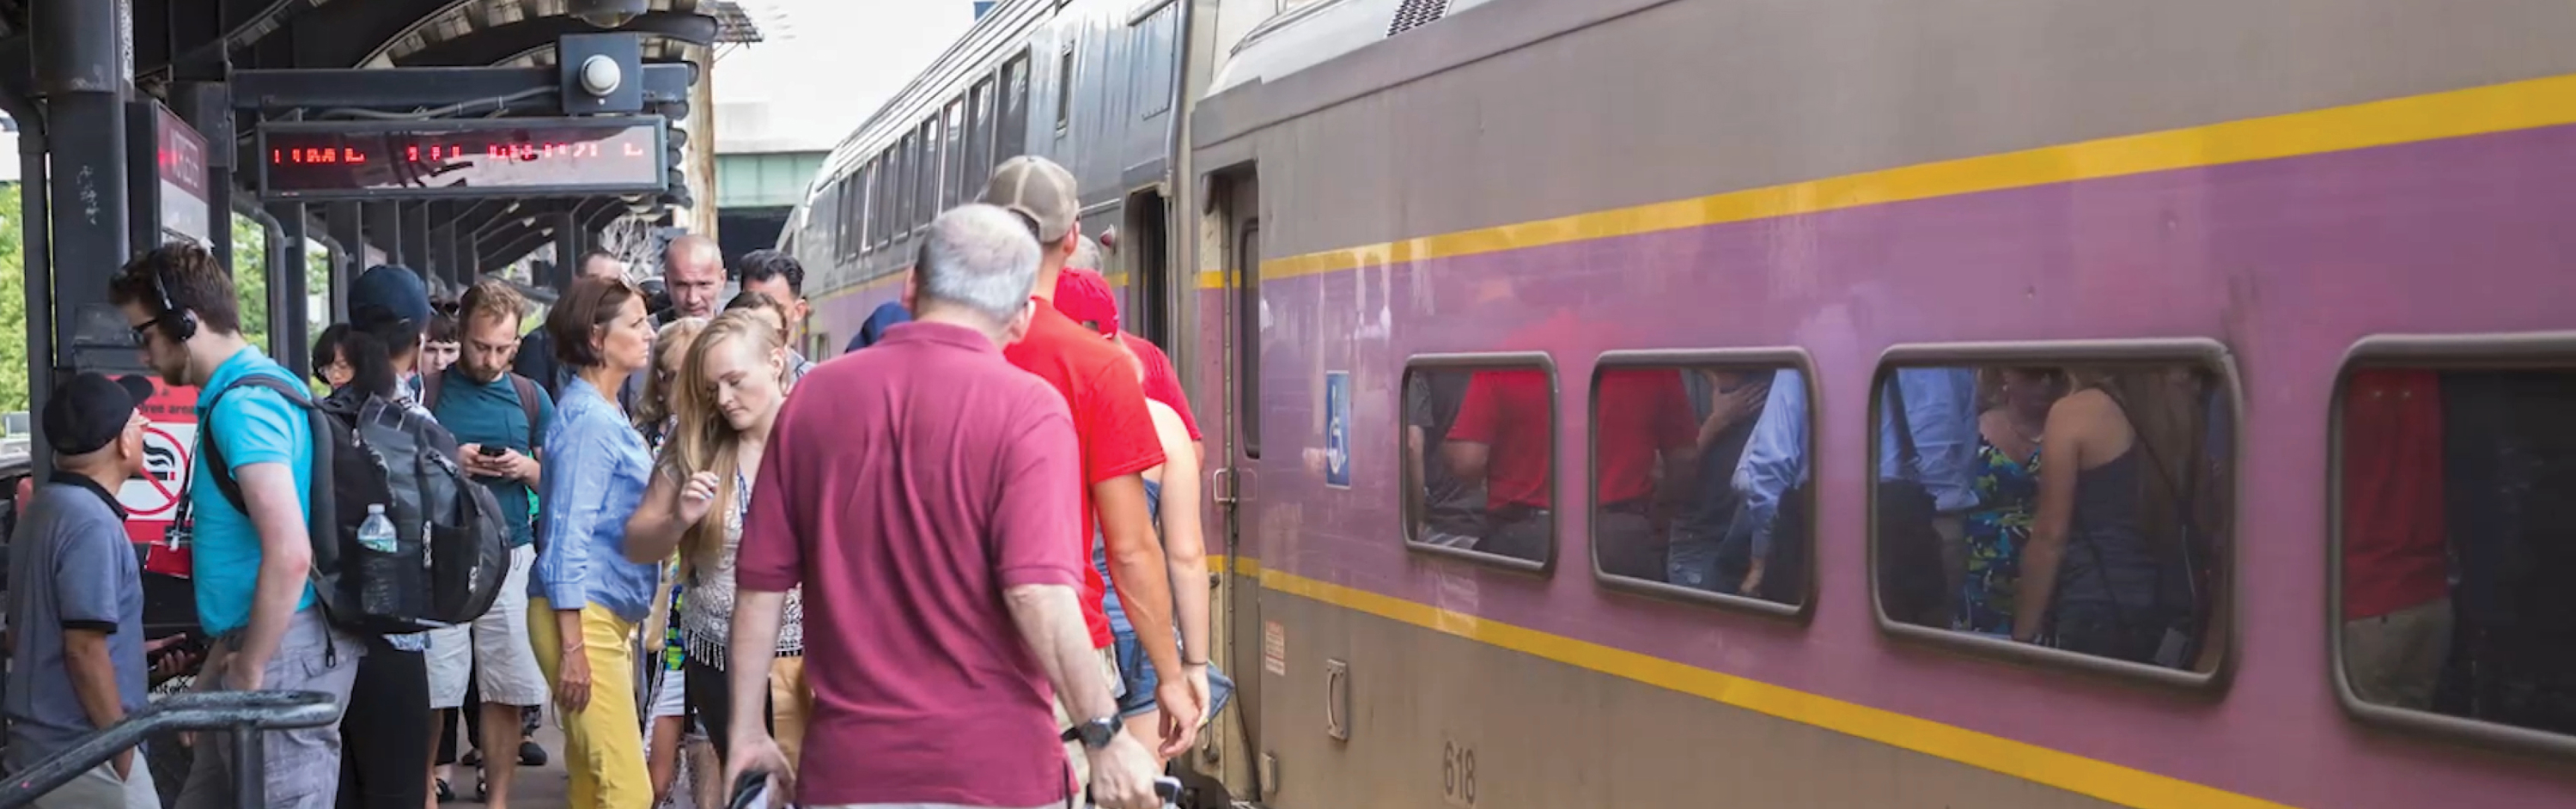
(2396, 549)
(922, 499)
(1503, 436)
(1118, 443)
(1084, 295)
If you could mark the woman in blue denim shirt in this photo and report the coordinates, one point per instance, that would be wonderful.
(586, 598)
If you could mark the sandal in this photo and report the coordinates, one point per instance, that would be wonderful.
(445, 795)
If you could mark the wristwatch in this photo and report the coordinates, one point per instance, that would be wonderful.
(1094, 734)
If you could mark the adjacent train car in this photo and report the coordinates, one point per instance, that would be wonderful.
(1866, 402)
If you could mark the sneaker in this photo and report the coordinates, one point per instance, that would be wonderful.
(531, 754)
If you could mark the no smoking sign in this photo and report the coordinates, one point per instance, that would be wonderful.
(154, 495)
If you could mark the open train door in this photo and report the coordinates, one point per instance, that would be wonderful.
(1230, 239)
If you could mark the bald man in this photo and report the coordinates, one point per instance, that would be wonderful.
(693, 271)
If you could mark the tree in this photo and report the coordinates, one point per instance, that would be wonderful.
(13, 304)
(250, 279)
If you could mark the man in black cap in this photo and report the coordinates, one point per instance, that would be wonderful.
(76, 595)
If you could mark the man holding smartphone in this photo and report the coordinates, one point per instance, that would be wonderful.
(498, 418)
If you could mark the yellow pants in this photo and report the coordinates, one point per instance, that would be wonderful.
(603, 750)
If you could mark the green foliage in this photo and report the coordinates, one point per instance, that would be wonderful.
(13, 304)
(250, 279)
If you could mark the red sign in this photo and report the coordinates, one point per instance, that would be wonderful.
(169, 459)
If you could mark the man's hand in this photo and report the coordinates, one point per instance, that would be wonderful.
(754, 750)
(239, 675)
(1122, 775)
(1181, 708)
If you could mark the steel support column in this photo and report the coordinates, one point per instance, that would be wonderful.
(570, 243)
(295, 337)
(347, 230)
(415, 238)
(80, 72)
(384, 232)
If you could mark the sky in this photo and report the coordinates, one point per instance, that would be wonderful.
(826, 65)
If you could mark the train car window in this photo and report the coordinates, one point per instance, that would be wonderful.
(979, 138)
(1064, 92)
(927, 193)
(866, 191)
(901, 187)
(1479, 434)
(2454, 538)
(1011, 139)
(1154, 51)
(955, 152)
(1688, 493)
(1250, 317)
(2075, 502)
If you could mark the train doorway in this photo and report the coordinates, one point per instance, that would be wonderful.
(1233, 232)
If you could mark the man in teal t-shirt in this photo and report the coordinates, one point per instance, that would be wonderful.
(488, 409)
(251, 560)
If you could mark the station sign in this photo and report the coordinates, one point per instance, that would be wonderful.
(172, 200)
(401, 160)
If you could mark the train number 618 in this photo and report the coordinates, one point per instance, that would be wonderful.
(1457, 774)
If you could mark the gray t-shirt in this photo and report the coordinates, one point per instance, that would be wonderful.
(70, 566)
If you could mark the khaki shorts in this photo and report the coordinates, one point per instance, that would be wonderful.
(505, 660)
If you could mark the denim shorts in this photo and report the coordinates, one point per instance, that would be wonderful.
(1137, 674)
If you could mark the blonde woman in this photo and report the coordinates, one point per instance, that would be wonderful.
(668, 712)
(1172, 493)
(735, 381)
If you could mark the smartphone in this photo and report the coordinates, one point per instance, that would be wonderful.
(490, 451)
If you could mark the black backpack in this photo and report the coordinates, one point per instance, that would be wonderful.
(367, 450)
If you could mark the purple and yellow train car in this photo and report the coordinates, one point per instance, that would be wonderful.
(1855, 403)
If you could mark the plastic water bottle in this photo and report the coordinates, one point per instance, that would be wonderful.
(377, 533)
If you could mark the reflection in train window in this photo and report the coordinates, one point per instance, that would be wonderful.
(2080, 507)
(1480, 459)
(1669, 504)
(2457, 531)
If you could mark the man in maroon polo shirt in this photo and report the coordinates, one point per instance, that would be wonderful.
(1118, 443)
(923, 499)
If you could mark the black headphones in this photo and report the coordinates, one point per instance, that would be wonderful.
(177, 323)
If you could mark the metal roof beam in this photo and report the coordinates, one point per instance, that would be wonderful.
(501, 43)
(429, 86)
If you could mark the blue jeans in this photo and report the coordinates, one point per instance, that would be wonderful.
(1140, 680)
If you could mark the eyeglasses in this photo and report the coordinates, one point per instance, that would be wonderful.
(143, 331)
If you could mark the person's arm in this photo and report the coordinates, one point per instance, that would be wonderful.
(2051, 518)
(1941, 408)
(259, 431)
(669, 508)
(1469, 445)
(574, 510)
(1137, 567)
(1184, 546)
(1774, 460)
(85, 578)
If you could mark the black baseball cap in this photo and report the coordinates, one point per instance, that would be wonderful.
(90, 410)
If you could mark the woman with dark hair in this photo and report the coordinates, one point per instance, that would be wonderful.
(587, 598)
(330, 364)
(2106, 572)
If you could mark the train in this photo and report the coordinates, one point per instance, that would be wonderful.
(1696, 402)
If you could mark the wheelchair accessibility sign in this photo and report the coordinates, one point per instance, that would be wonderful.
(1337, 429)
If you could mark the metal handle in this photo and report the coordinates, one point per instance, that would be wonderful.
(1337, 676)
(1218, 485)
